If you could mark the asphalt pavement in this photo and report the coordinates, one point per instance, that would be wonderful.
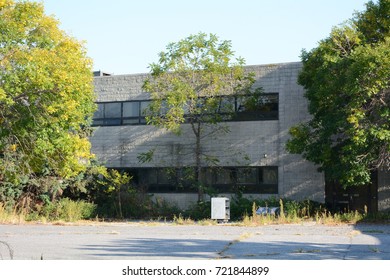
(168, 241)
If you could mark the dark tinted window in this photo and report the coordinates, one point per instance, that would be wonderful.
(230, 108)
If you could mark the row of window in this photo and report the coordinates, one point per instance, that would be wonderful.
(256, 180)
(134, 112)
(120, 113)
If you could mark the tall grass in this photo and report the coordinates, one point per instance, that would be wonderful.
(68, 210)
(326, 217)
(63, 210)
(180, 220)
(294, 212)
(11, 215)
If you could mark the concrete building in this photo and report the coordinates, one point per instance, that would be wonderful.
(251, 155)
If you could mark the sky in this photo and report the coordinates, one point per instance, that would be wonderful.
(125, 36)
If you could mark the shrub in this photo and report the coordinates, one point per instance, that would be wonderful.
(242, 207)
(68, 210)
(199, 211)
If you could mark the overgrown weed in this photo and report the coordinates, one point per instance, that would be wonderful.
(11, 216)
(297, 214)
(180, 220)
(64, 210)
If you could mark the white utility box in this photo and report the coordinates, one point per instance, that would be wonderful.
(220, 208)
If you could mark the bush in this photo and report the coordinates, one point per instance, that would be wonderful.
(379, 217)
(68, 210)
(199, 211)
(134, 205)
(241, 207)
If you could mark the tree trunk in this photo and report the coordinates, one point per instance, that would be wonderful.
(120, 204)
(198, 162)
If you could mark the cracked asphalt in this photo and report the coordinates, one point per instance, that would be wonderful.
(148, 241)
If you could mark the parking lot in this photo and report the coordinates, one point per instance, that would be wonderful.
(136, 240)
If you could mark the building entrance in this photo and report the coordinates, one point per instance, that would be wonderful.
(354, 198)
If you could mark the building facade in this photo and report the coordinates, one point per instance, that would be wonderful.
(251, 155)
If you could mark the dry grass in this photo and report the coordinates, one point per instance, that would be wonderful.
(180, 220)
(11, 217)
(328, 218)
(324, 217)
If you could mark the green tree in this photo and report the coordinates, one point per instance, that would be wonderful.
(46, 98)
(347, 85)
(195, 82)
(115, 183)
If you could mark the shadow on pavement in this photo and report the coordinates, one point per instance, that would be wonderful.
(364, 243)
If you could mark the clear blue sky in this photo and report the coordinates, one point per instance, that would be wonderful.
(125, 36)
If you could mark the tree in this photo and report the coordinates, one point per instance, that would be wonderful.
(347, 85)
(195, 82)
(46, 99)
(115, 183)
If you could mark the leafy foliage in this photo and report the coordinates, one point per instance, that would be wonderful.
(192, 83)
(115, 182)
(190, 79)
(66, 210)
(347, 84)
(46, 100)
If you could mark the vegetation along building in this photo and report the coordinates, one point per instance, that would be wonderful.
(250, 154)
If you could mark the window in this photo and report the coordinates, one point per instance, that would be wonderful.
(108, 114)
(270, 175)
(262, 107)
(99, 113)
(147, 176)
(120, 113)
(226, 104)
(230, 108)
(161, 179)
(269, 179)
(112, 110)
(130, 109)
(247, 179)
(143, 107)
(130, 113)
(255, 180)
(223, 176)
(247, 175)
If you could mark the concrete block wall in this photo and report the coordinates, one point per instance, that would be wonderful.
(119, 146)
(298, 179)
